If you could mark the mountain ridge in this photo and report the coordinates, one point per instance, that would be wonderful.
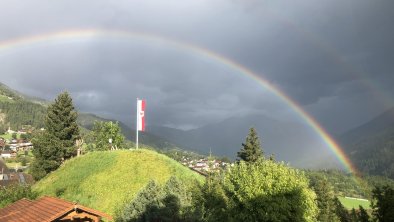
(371, 145)
(225, 138)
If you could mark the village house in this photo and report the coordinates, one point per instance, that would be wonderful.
(204, 165)
(7, 154)
(48, 209)
(9, 177)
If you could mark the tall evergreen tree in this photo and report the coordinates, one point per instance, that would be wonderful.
(383, 204)
(48, 155)
(57, 142)
(341, 211)
(145, 206)
(353, 215)
(362, 215)
(325, 199)
(251, 150)
(61, 122)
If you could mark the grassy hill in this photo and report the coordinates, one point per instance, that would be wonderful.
(105, 180)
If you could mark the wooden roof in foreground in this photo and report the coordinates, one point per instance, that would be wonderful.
(47, 209)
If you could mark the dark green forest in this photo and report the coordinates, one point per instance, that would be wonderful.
(371, 145)
(20, 113)
(374, 155)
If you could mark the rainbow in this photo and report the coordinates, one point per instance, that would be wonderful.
(353, 72)
(72, 35)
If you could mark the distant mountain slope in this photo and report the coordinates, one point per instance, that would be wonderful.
(105, 180)
(371, 146)
(381, 123)
(288, 141)
(17, 110)
(15, 95)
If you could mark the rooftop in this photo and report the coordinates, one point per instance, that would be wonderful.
(48, 209)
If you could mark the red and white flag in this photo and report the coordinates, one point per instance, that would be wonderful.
(141, 115)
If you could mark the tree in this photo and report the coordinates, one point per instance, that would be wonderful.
(383, 203)
(251, 150)
(341, 211)
(103, 131)
(362, 215)
(15, 192)
(353, 215)
(48, 155)
(57, 142)
(211, 202)
(325, 199)
(155, 203)
(61, 122)
(268, 191)
(150, 197)
(14, 136)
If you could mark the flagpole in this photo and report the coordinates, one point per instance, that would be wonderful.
(136, 129)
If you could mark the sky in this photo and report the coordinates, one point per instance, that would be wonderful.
(334, 58)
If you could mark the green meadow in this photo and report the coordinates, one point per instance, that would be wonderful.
(354, 203)
(106, 180)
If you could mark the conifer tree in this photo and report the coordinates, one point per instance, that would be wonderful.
(341, 211)
(353, 215)
(383, 203)
(56, 143)
(325, 200)
(61, 122)
(362, 215)
(48, 155)
(251, 150)
(141, 208)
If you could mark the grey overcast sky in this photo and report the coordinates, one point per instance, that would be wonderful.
(335, 58)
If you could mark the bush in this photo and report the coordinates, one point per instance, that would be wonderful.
(13, 193)
(156, 203)
(260, 191)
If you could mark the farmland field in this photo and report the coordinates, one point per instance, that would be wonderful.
(350, 203)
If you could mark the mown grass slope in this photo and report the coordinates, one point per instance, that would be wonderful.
(105, 180)
(349, 203)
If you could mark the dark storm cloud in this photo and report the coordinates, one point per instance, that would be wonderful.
(321, 54)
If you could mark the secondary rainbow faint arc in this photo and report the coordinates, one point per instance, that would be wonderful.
(31, 41)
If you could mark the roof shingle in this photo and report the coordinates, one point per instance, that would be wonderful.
(42, 210)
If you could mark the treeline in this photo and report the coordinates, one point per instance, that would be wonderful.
(346, 184)
(260, 191)
(255, 189)
(20, 113)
